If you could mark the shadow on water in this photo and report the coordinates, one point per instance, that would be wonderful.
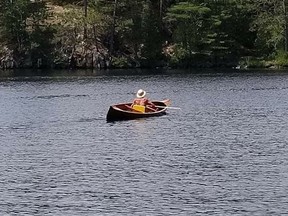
(19, 74)
(60, 96)
(91, 119)
(52, 74)
(35, 74)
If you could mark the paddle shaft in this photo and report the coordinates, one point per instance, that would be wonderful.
(178, 108)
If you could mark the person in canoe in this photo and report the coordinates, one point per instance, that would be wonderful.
(141, 103)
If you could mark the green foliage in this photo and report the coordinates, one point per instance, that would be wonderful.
(220, 29)
(179, 55)
(13, 22)
(269, 23)
(252, 62)
(24, 31)
(42, 47)
(130, 28)
(152, 41)
(120, 62)
(281, 58)
(190, 26)
(232, 36)
(198, 30)
(67, 2)
(69, 33)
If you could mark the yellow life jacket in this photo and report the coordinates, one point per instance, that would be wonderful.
(139, 108)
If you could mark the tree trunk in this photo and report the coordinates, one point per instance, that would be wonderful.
(285, 26)
(161, 8)
(85, 15)
(113, 29)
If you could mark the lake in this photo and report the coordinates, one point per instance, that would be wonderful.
(224, 153)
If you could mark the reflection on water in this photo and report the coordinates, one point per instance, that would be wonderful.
(24, 74)
(224, 153)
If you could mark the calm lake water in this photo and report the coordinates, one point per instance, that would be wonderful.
(224, 153)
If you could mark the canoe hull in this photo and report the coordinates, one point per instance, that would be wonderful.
(121, 112)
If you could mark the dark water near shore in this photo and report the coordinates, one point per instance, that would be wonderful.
(224, 153)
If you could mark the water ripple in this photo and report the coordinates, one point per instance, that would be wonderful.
(224, 153)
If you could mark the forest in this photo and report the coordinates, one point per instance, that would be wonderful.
(105, 34)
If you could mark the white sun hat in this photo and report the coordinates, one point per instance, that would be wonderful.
(141, 93)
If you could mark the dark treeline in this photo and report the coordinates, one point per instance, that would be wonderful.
(143, 33)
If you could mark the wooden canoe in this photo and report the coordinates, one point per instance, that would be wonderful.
(123, 111)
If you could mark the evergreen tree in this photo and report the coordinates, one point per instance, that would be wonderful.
(24, 31)
(152, 34)
(270, 23)
(190, 28)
